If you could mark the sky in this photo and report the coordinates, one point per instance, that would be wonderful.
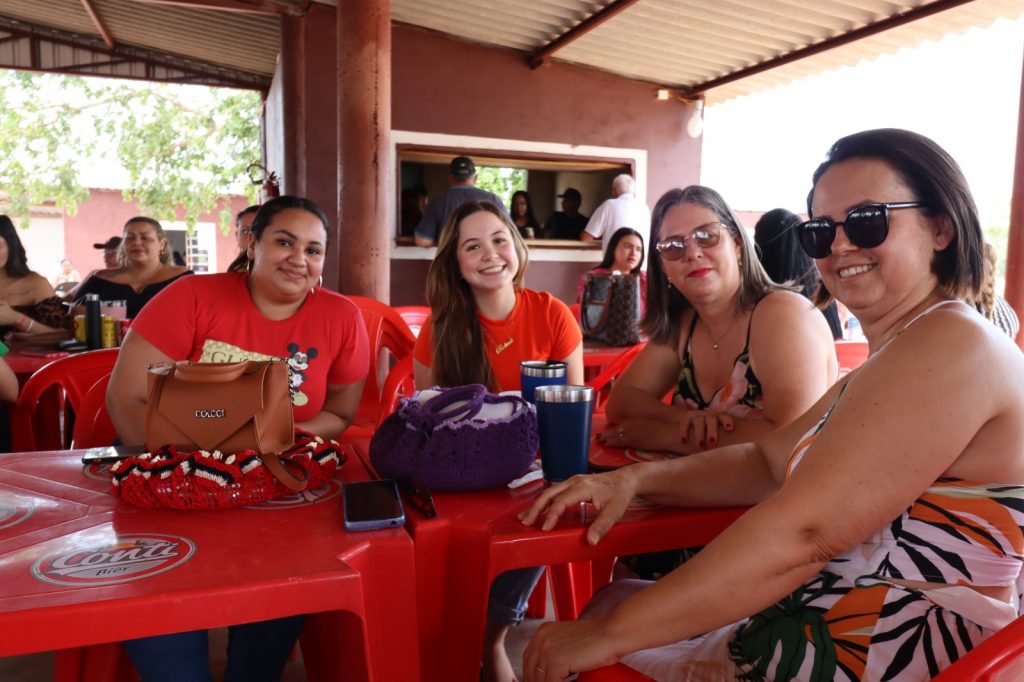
(962, 91)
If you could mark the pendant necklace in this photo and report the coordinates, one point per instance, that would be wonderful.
(716, 342)
(499, 348)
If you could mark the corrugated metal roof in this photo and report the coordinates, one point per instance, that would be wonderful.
(685, 44)
(674, 43)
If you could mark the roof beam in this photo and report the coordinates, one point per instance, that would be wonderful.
(298, 9)
(542, 55)
(98, 22)
(838, 41)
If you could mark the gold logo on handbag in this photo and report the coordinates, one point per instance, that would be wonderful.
(260, 417)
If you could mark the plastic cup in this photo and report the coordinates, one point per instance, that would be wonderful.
(563, 419)
(534, 373)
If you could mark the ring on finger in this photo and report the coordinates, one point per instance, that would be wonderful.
(622, 432)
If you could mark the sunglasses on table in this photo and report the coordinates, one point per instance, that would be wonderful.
(865, 226)
(705, 236)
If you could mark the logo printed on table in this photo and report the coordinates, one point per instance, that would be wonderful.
(12, 515)
(130, 557)
(98, 471)
(303, 498)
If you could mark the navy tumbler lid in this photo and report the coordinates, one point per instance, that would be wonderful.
(543, 368)
(564, 394)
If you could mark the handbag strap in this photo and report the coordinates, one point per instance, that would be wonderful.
(433, 411)
(274, 465)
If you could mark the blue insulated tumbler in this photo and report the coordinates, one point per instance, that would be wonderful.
(563, 419)
(534, 373)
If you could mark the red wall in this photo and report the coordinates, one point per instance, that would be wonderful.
(447, 86)
(103, 216)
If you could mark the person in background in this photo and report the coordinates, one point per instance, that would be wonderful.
(483, 323)
(67, 274)
(784, 260)
(623, 209)
(8, 384)
(243, 232)
(111, 253)
(462, 178)
(414, 205)
(994, 307)
(275, 309)
(887, 529)
(522, 215)
(569, 222)
(144, 271)
(28, 304)
(625, 254)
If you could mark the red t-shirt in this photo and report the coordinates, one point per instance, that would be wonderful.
(540, 328)
(211, 318)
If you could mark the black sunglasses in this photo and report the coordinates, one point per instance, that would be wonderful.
(865, 226)
(705, 236)
(418, 495)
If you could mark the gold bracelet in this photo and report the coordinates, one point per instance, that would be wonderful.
(30, 323)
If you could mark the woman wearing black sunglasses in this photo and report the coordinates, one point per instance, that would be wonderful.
(714, 319)
(885, 538)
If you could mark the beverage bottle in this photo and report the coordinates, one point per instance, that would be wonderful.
(93, 330)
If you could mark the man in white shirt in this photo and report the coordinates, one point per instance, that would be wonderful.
(622, 210)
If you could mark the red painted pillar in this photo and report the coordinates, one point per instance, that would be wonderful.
(366, 204)
(1015, 248)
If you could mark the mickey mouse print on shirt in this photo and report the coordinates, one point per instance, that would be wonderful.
(297, 359)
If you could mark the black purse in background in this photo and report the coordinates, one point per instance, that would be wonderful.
(610, 309)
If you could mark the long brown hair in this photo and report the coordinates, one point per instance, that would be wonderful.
(457, 344)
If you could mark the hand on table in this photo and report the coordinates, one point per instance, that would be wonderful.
(700, 427)
(559, 649)
(609, 493)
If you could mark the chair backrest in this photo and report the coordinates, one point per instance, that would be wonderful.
(414, 316)
(390, 340)
(851, 355)
(399, 384)
(999, 658)
(93, 427)
(45, 398)
(610, 373)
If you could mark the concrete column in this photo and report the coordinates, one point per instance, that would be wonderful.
(1015, 248)
(366, 196)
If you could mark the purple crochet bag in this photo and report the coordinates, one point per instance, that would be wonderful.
(447, 444)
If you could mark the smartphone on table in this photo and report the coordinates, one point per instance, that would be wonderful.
(369, 505)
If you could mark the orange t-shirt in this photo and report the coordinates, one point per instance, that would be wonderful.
(540, 328)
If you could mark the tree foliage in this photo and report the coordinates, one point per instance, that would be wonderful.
(173, 146)
(502, 181)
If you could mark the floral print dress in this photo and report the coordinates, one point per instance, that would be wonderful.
(851, 622)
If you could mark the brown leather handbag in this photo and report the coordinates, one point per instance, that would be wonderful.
(230, 407)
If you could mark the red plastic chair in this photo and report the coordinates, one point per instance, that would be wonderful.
(54, 393)
(1000, 658)
(93, 427)
(851, 355)
(414, 316)
(610, 373)
(390, 340)
(399, 384)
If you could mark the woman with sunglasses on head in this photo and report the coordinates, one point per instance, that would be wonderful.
(274, 308)
(714, 319)
(483, 323)
(885, 537)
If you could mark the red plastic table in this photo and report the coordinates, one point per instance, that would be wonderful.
(598, 355)
(81, 568)
(477, 535)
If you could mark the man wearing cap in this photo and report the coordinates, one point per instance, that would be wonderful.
(462, 178)
(622, 210)
(111, 247)
(569, 222)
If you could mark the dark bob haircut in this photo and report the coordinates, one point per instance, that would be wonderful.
(17, 261)
(936, 180)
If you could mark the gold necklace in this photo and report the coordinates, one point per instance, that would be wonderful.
(715, 342)
(499, 348)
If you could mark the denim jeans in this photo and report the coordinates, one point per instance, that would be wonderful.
(510, 592)
(257, 652)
